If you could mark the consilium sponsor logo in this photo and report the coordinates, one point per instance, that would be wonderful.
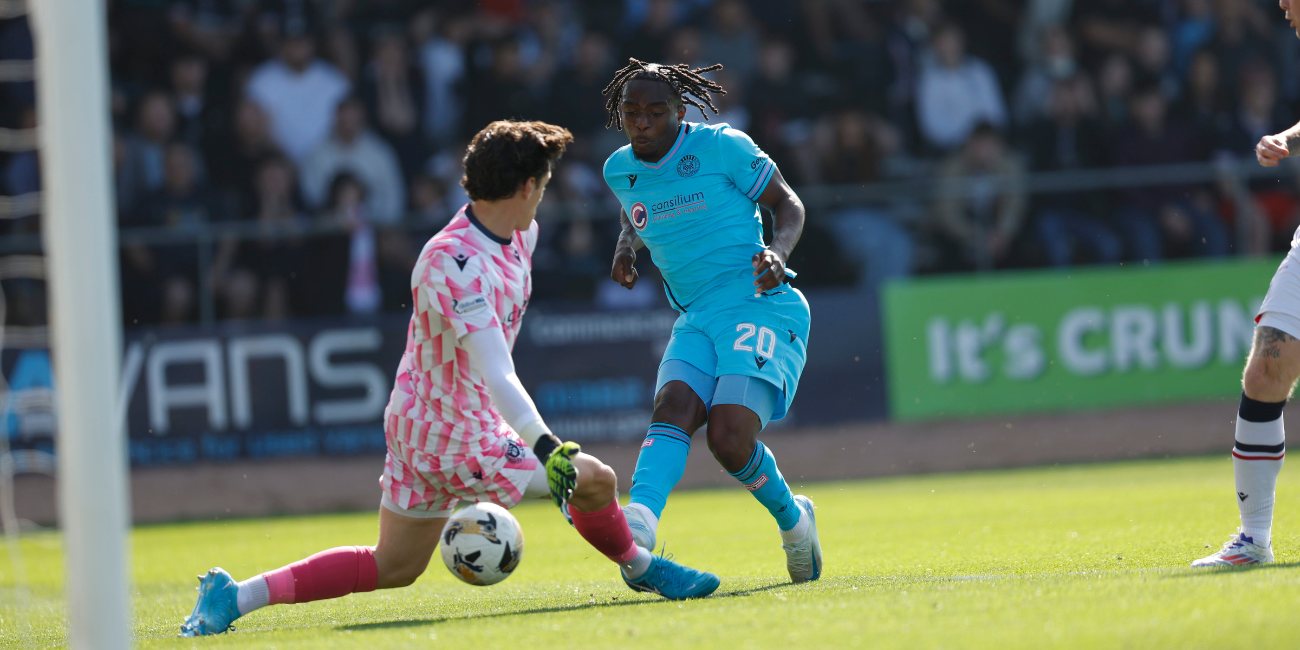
(639, 215)
(678, 206)
(468, 304)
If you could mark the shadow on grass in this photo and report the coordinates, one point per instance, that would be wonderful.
(1192, 573)
(419, 622)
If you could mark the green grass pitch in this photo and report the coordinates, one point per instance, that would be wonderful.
(1089, 556)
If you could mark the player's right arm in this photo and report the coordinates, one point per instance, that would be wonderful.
(624, 271)
(490, 354)
(1272, 149)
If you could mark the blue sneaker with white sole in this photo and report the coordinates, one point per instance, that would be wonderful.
(218, 605)
(674, 581)
(803, 559)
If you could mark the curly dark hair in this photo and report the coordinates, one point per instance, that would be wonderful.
(684, 81)
(505, 154)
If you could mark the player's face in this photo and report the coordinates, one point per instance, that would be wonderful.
(533, 199)
(1286, 6)
(649, 118)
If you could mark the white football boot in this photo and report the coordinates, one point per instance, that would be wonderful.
(804, 559)
(1239, 550)
(643, 524)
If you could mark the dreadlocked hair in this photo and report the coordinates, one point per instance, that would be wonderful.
(690, 86)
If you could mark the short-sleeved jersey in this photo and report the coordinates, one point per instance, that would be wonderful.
(697, 211)
(466, 279)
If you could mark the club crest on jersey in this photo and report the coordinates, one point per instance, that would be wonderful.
(687, 166)
(639, 215)
(468, 305)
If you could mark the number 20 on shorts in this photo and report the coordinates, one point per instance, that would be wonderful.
(766, 343)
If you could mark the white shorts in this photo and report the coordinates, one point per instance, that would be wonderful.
(1281, 307)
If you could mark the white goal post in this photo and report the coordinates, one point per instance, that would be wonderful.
(81, 248)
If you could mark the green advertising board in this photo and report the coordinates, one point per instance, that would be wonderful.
(1079, 339)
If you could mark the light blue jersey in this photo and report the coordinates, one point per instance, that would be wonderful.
(697, 211)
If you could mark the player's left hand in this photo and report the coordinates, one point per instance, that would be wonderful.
(561, 475)
(769, 271)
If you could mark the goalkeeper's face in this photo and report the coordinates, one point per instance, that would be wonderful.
(531, 194)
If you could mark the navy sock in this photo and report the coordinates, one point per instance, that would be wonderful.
(659, 466)
(762, 477)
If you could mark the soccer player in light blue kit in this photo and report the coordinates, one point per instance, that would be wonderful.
(691, 194)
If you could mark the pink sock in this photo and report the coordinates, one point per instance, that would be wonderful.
(328, 574)
(606, 530)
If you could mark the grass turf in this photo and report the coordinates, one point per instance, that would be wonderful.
(1078, 556)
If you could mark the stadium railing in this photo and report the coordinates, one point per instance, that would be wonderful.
(1232, 176)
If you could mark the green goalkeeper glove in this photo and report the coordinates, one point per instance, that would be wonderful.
(560, 472)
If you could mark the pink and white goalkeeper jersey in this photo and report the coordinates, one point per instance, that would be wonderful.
(466, 279)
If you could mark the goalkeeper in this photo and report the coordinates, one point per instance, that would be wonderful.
(459, 424)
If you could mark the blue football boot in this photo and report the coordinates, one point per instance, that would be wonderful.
(673, 581)
(217, 608)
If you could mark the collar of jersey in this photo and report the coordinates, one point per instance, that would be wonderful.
(672, 153)
(469, 214)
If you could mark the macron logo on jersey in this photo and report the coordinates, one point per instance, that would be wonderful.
(631, 181)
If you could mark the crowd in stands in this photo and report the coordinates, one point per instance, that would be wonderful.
(334, 130)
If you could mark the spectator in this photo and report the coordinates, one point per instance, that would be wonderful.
(442, 60)
(343, 52)
(299, 93)
(501, 93)
(195, 113)
(429, 204)
(686, 46)
(1173, 218)
(955, 92)
(142, 167)
(982, 200)
(1205, 104)
(393, 90)
(234, 163)
(575, 95)
(1055, 61)
(850, 147)
(1153, 60)
(1193, 31)
(775, 97)
(165, 277)
(356, 149)
(347, 207)
(1106, 27)
(254, 277)
(733, 40)
(1242, 35)
(908, 43)
(1258, 113)
(1071, 138)
(647, 41)
(1115, 82)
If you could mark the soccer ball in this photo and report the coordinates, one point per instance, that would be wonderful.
(482, 544)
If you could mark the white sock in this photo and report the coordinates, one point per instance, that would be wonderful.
(799, 532)
(650, 517)
(638, 565)
(254, 594)
(1256, 461)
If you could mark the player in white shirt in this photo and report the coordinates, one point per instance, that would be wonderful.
(1269, 379)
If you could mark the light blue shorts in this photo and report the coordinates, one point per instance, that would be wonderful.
(763, 339)
(754, 394)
